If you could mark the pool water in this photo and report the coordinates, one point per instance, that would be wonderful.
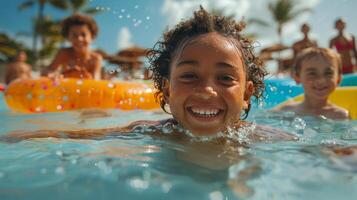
(146, 166)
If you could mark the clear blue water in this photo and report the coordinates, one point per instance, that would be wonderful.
(143, 166)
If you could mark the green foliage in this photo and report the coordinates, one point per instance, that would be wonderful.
(8, 48)
(284, 11)
(49, 30)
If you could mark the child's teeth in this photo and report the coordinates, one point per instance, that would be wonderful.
(205, 111)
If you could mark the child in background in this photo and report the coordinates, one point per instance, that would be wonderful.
(18, 69)
(77, 61)
(205, 73)
(319, 72)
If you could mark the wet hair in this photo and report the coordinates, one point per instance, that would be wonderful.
(315, 52)
(203, 22)
(78, 20)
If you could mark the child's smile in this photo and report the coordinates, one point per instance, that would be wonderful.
(207, 87)
(80, 37)
(319, 78)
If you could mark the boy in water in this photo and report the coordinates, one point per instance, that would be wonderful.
(319, 72)
(18, 69)
(77, 61)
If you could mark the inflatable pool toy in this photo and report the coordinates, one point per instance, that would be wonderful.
(345, 97)
(45, 95)
(2, 87)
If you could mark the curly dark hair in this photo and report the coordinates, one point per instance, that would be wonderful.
(78, 19)
(203, 22)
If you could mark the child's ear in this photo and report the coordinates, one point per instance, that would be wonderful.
(296, 77)
(249, 89)
(339, 78)
(166, 89)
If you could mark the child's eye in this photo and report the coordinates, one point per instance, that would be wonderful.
(311, 74)
(329, 73)
(226, 79)
(187, 77)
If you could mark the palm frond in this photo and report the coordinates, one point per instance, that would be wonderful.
(26, 4)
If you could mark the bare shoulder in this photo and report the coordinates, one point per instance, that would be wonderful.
(96, 56)
(63, 54)
(288, 106)
(264, 133)
(337, 112)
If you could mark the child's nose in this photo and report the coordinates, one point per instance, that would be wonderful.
(205, 91)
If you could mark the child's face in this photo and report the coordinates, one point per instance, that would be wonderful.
(80, 37)
(319, 77)
(207, 88)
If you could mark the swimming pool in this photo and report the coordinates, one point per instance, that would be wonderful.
(144, 166)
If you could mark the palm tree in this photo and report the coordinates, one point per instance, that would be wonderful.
(77, 6)
(9, 48)
(60, 4)
(284, 11)
(46, 28)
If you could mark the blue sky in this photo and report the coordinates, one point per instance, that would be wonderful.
(141, 22)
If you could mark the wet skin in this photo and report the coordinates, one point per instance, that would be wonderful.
(319, 78)
(207, 88)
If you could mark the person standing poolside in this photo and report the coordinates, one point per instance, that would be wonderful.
(18, 69)
(304, 43)
(319, 72)
(77, 61)
(345, 46)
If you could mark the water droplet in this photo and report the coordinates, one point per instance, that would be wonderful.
(136, 6)
(59, 170)
(167, 128)
(59, 153)
(147, 17)
(216, 195)
(128, 16)
(43, 171)
(138, 183)
(298, 124)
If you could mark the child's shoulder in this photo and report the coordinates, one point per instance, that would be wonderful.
(338, 112)
(96, 56)
(288, 106)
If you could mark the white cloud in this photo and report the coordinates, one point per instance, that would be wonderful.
(124, 38)
(176, 10)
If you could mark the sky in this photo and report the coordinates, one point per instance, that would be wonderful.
(124, 23)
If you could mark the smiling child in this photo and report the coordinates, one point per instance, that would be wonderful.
(319, 71)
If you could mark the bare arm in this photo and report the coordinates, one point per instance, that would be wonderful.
(354, 49)
(8, 73)
(332, 41)
(18, 136)
(56, 63)
(97, 67)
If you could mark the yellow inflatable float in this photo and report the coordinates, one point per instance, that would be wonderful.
(46, 95)
(345, 97)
